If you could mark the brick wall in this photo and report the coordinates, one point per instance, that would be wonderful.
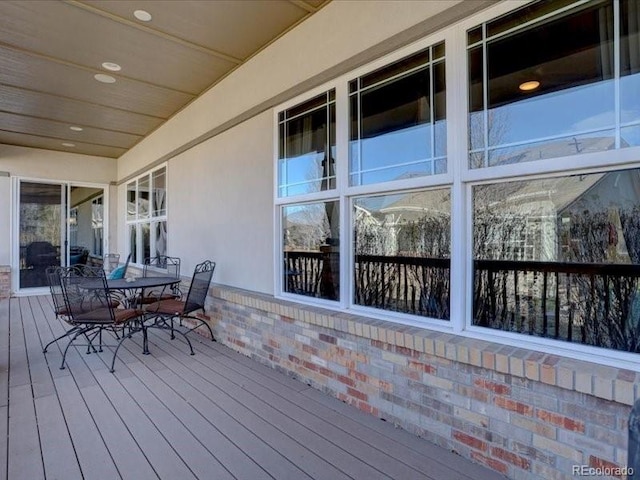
(525, 414)
(5, 281)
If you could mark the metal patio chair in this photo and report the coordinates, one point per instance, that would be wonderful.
(166, 312)
(57, 296)
(161, 266)
(59, 307)
(93, 311)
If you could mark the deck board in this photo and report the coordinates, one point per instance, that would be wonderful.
(297, 453)
(330, 441)
(171, 415)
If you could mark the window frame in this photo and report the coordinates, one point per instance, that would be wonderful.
(149, 219)
(460, 179)
(586, 163)
(344, 193)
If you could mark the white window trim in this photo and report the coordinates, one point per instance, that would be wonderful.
(151, 220)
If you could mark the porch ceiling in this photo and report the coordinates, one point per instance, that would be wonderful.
(51, 50)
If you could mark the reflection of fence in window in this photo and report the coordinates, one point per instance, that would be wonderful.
(591, 304)
(419, 286)
(303, 273)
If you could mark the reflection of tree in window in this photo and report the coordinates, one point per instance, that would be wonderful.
(582, 284)
(402, 249)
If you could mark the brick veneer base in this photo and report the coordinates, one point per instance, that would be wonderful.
(525, 414)
(5, 281)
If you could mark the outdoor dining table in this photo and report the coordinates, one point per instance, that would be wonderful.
(140, 284)
(134, 286)
(131, 290)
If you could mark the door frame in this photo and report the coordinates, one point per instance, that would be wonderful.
(15, 225)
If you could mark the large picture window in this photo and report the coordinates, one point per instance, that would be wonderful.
(401, 240)
(147, 215)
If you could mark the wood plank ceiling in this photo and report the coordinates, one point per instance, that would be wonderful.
(50, 52)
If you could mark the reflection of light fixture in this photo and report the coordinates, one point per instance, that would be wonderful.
(114, 67)
(76, 129)
(67, 144)
(528, 86)
(101, 77)
(142, 15)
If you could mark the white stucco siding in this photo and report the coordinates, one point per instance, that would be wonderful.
(220, 205)
(335, 34)
(50, 165)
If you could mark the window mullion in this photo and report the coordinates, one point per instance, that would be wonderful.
(616, 70)
(457, 155)
(432, 130)
(485, 95)
(342, 183)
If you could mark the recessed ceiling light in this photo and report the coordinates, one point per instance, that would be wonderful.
(101, 77)
(76, 129)
(114, 67)
(528, 86)
(142, 15)
(67, 144)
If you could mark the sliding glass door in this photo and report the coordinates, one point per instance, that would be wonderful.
(41, 230)
(57, 224)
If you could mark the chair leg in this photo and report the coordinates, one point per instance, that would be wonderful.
(66, 334)
(161, 323)
(90, 340)
(115, 353)
(145, 341)
(124, 337)
(202, 322)
(81, 331)
(188, 341)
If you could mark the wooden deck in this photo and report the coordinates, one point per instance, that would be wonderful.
(216, 415)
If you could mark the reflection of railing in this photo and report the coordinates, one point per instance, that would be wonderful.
(593, 304)
(303, 272)
(413, 285)
(419, 286)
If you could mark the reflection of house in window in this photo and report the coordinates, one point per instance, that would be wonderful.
(602, 224)
(402, 248)
(540, 248)
(568, 219)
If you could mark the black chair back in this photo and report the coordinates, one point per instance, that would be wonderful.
(126, 265)
(85, 290)
(199, 288)
(161, 265)
(53, 278)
